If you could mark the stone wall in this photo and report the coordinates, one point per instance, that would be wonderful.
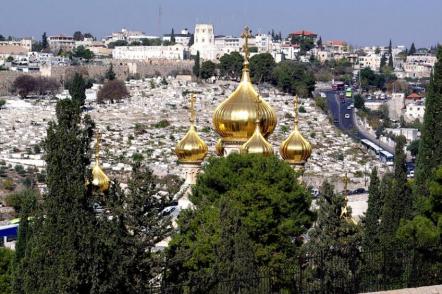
(123, 70)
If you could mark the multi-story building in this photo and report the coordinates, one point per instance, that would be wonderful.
(419, 66)
(174, 52)
(414, 111)
(372, 61)
(183, 38)
(25, 43)
(204, 42)
(57, 42)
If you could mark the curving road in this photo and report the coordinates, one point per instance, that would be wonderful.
(338, 109)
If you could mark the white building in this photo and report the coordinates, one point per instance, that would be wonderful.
(23, 43)
(414, 111)
(372, 61)
(183, 38)
(419, 66)
(175, 52)
(57, 42)
(204, 42)
(410, 134)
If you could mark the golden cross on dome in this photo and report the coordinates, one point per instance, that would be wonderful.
(97, 147)
(246, 36)
(296, 106)
(192, 108)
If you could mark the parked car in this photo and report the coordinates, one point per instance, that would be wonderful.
(359, 191)
(347, 115)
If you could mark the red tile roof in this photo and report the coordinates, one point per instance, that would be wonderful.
(414, 96)
(304, 33)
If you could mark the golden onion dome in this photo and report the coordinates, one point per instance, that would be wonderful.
(296, 149)
(191, 148)
(99, 178)
(219, 148)
(257, 144)
(235, 118)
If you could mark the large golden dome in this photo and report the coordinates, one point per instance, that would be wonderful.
(235, 118)
(191, 148)
(296, 149)
(257, 144)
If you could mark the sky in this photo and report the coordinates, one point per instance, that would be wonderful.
(359, 22)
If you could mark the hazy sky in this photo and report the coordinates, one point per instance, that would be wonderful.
(360, 22)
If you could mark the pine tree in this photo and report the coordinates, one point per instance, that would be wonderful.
(412, 50)
(110, 74)
(430, 149)
(197, 66)
(373, 214)
(58, 256)
(319, 43)
(77, 89)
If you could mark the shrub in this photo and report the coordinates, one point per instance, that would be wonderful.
(113, 90)
(8, 184)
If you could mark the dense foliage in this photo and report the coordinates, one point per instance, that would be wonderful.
(112, 90)
(268, 207)
(27, 84)
(294, 78)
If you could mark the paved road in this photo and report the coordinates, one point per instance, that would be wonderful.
(338, 108)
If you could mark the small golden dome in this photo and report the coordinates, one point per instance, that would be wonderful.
(257, 144)
(235, 118)
(99, 178)
(219, 148)
(296, 149)
(191, 148)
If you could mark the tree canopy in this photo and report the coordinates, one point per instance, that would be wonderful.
(112, 90)
(271, 209)
(230, 65)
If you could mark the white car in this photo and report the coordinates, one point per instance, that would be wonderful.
(349, 107)
(347, 115)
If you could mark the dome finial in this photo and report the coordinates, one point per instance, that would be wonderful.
(100, 179)
(246, 35)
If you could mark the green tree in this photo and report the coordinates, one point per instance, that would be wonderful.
(397, 198)
(77, 89)
(44, 41)
(430, 147)
(6, 261)
(359, 102)
(373, 214)
(78, 36)
(383, 62)
(172, 37)
(413, 147)
(230, 65)
(319, 42)
(59, 253)
(412, 50)
(261, 67)
(24, 85)
(82, 52)
(272, 207)
(2, 103)
(424, 230)
(112, 90)
(110, 74)
(334, 240)
(208, 69)
(294, 78)
(197, 65)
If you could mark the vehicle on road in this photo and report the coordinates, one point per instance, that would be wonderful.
(359, 191)
(338, 86)
(347, 115)
(348, 93)
(349, 107)
(323, 95)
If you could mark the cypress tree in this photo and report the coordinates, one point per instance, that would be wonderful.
(110, 74)
(172, 37)
(44, 41)
(412, 50)
(197, 66)
(373, 214)
(390, 61)
(335, 241)
(77, 89)
(430, 147)
(398, 202)
(383, 62)
(58, 254)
